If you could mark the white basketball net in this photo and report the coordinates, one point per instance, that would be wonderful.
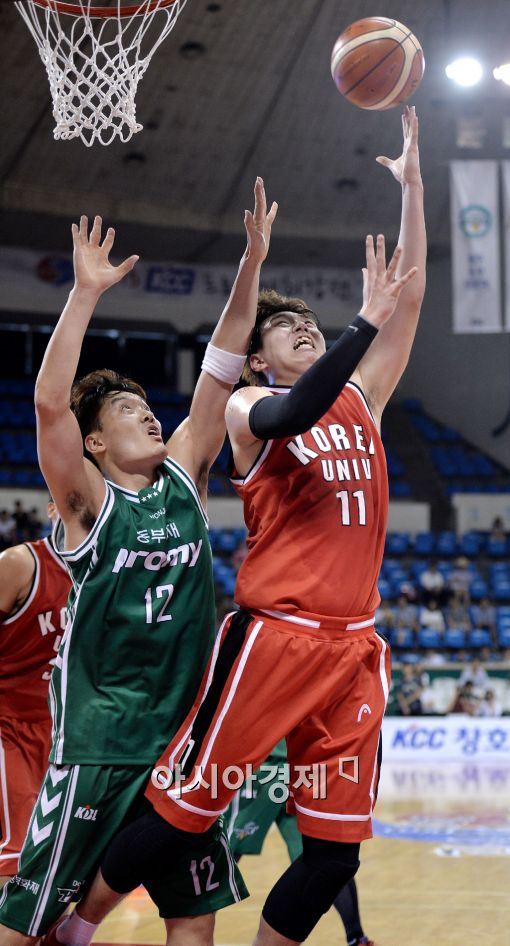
(94, 65)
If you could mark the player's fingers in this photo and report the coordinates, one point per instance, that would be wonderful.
(260, 203)
(95, 233)
(126, 266)
(272, 213)
(84, 224)
(400, 283)
(393, 263)
(75, 232)
(108, 240)
(370, 255)
(380, 255)
(382, 159)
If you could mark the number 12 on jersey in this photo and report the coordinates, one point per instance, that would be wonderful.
(345, 506)
(162, 591)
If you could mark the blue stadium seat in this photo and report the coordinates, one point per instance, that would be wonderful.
(479, 638)
(397, 543)
(478, 589)
(504, 637)
(446, 543)
(454, 638)
(424, 543)
(470, 544)
(496, 547)
(428, 638)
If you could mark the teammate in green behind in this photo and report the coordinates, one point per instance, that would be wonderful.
(133, 533)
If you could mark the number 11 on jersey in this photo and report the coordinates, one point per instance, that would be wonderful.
(345, 511)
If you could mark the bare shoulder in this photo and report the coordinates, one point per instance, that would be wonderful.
(17, 567)
(242, 400)
(16, 561)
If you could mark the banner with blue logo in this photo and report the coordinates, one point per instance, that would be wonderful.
(454, 738)
(476, 267)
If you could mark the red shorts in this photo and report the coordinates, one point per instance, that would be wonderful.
(324, 689)
(24, 751)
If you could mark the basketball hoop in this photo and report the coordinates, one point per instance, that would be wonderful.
(95, 56)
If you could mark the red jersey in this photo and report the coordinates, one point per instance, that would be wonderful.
(30, 638)
(316, 507)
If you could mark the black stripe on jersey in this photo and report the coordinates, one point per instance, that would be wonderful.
(228, 654)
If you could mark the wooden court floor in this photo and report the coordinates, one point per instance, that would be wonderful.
(439, 877)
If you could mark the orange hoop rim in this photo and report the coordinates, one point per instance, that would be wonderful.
(104, 13)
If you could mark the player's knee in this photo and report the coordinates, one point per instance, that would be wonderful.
(190, 931)
(139, 852)
(309, 887)
(331, 864)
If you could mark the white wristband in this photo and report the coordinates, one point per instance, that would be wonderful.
(223, 365)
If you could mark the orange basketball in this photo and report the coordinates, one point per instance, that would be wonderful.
(377, 63)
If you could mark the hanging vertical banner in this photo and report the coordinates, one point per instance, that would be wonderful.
(475, 246)
(505, 165)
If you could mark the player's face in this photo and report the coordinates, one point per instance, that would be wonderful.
(129, 434)
(290, 344)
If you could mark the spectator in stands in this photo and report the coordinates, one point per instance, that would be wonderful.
(432, 583)
(484, 615)
(434, 658)
(34, 525)
(239, 555)
(486, 654)
(465, 700)
(21, 520)
(477, 675)
(406, 614)
(7, 530)
(409, 691)
(432, 617)
(385, 616)
(489, 705)
(498, 532)
(457, 614)
(459, 579)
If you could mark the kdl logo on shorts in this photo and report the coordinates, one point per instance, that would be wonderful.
(419, 737)
(86, 813)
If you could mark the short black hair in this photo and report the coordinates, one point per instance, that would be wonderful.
(269, 303)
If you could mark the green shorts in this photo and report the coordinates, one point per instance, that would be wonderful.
(79, 810)
(249, 819)
(203, 880)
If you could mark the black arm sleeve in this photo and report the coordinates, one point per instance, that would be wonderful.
(315, 392)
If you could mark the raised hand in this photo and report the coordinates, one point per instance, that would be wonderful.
(92, 270)
(406, 168)
(258, 224)
(381, 289)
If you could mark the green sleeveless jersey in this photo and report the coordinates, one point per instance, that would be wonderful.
(141, 625)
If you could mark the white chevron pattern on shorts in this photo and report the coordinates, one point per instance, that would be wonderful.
(40, 834)
(48, 804)
(57, 774)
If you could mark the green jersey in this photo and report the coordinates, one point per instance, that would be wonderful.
(141, 625)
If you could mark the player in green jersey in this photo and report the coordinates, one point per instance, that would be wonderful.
(133, 533)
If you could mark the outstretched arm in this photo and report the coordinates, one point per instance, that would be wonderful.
(383, 366)
(197, 442)
(74, 482)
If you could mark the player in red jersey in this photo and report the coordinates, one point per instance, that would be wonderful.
(302, 659)
(34, 585)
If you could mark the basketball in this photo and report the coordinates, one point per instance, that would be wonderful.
(377, 63)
